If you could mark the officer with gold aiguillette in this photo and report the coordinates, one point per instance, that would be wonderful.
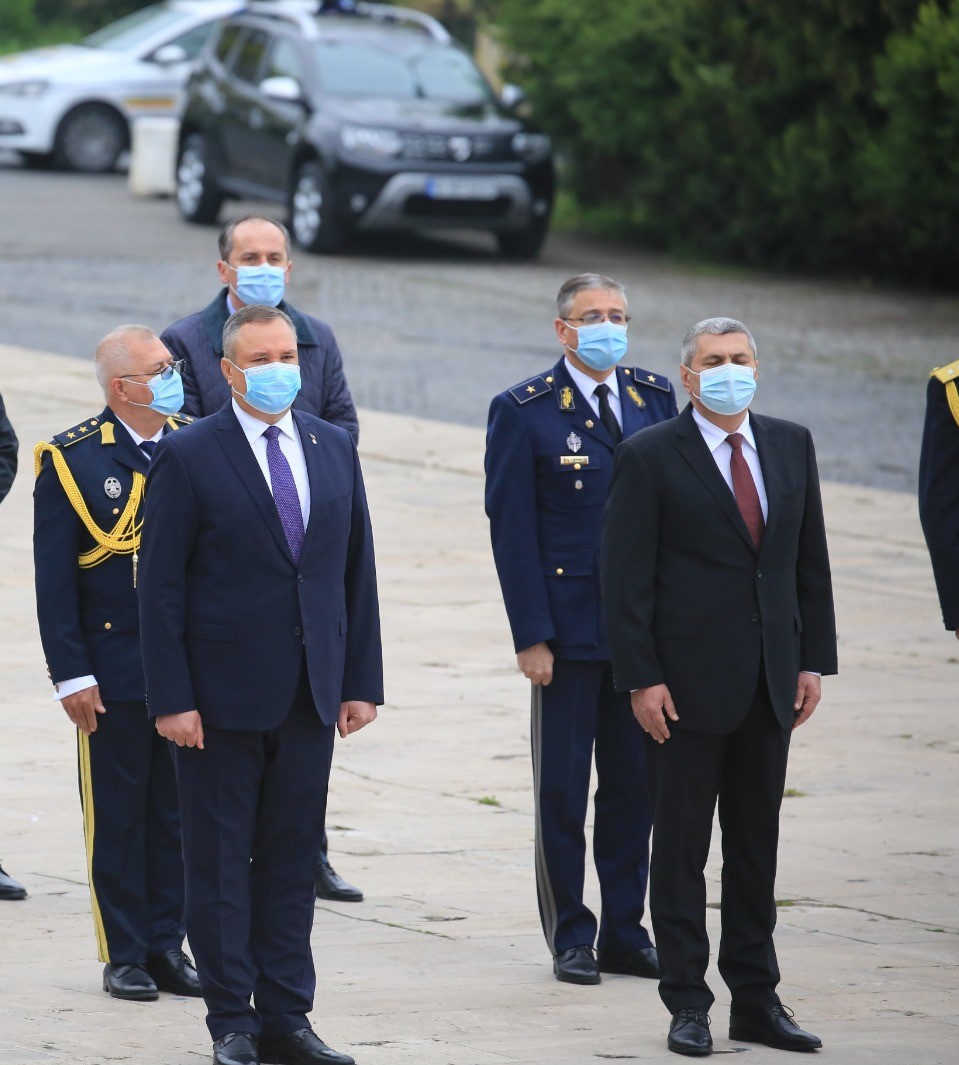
(88, 505)
(939, 487)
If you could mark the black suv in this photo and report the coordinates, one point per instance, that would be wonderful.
(358, 116)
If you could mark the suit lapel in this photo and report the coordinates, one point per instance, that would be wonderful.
(693, 448)
(314, 473)
(583, 419)
(125, 451)
(240, 456)
(775, 470)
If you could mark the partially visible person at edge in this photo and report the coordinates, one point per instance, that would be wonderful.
(254, 268)
(939, 487)
(9, 445)
(719, 611)
(88, 506)
(549, 454)
(261, 637)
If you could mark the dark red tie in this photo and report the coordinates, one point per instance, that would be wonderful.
(744, 488)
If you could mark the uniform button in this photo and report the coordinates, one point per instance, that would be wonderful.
(116, 510)
(755, 617)
(299, 578)
(297, 631)
(107, 625)
(559, 571)
(759, 574)
(577, 465)
(578, 484)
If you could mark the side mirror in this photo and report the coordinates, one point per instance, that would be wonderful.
(169, 54)
(511, 96)
(282, 87)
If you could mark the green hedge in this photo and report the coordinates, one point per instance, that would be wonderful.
(818, 134)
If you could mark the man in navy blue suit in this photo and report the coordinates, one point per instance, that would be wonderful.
(261, 634)
(549, 456)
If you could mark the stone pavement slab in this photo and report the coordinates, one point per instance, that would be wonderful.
(431, 808)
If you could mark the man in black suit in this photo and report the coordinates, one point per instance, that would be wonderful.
(254, 268)
(260, 633)
(720, 618)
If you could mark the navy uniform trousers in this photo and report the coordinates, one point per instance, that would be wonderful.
(548, 463)
(251, 891)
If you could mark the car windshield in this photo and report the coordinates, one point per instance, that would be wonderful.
(135, 29)
(356, 68)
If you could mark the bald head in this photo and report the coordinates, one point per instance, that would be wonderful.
(123, 350)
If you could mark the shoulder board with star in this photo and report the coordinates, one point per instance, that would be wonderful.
(945, 374)
(84, 431)
(527, 390)
(648, 379)
(178, 419)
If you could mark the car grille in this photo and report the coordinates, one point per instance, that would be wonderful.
(482, 147)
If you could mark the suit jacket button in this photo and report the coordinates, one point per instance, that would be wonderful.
(559, 571)
(759, 574)
(298, 631)
(299, 578)
(755, 617)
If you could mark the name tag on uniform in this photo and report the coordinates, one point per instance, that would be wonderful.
(573, 460)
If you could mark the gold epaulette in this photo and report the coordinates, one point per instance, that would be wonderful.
(84, 431)
(948, 375)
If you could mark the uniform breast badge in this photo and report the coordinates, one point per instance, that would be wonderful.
(573, 442)
(112, 488)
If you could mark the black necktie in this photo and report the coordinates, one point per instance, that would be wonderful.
(147, 446)
(606, 415)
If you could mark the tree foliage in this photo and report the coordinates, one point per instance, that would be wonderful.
(764, 131)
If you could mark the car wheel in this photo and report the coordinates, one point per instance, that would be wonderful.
(90, 138)
(524, 243)
(197, 195)
(311, 216)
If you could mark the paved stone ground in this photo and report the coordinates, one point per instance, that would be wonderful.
(431, 808)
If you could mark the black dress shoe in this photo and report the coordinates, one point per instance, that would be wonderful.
(330, 885)
(643, 962)
(235, 1048)
(10, 888)
(689, 1033)
(576, 966)
(772, 1025)
(304, 1047)
(173, 971)
(131, 982)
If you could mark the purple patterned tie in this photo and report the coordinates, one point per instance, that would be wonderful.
(284, 492)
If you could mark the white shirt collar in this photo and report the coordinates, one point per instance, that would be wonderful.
(587, 385)
(254, 428)
(137, 439)
(714, 436)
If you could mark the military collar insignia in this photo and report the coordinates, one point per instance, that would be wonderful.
(635, 396)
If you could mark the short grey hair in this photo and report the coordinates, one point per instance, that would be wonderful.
(583, 283)
(251, 314)
(224, 241)
(717, 327)
(112, 357)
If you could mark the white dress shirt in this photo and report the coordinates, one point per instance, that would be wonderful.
(722, 452)
(290, 445)
(587, 386)
(76, 684)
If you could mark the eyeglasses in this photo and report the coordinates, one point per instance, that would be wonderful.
(165, 374)
(595, 317)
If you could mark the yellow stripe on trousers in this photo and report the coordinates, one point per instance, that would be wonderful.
(89, 826)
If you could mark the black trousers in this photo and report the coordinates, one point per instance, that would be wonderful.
(131, 824)
(745, 771)
(253, 805)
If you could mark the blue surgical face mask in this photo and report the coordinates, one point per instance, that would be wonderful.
(263, 284)
(727, 389)
(167, 393)
(272, 388)
(600, 346)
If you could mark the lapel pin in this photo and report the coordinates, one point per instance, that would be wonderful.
(313, 438)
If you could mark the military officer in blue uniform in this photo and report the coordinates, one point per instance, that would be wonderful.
(88, 518)
(939, 487)
(549, 456)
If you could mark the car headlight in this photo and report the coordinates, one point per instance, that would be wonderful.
(531, 146)
(371, 140)
(34, 87)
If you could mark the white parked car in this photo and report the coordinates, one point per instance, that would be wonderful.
(72, 104)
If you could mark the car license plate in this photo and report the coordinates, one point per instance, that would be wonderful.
(457, 188)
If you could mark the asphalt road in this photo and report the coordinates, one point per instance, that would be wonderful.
(434, 327)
